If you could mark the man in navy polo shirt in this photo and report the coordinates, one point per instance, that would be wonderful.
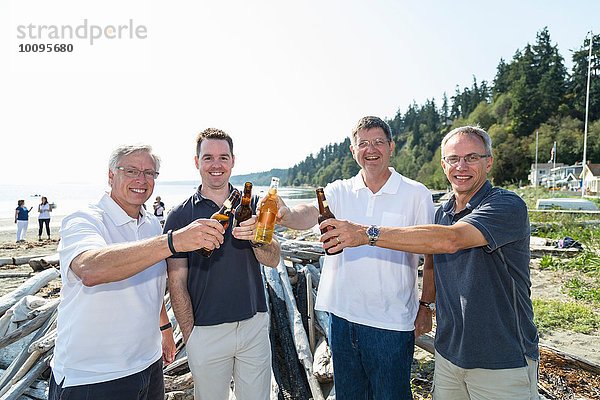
(486, 342)
(219, 301)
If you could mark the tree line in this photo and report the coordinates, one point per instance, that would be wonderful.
(531, 93)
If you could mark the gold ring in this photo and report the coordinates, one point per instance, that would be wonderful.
(338, 239)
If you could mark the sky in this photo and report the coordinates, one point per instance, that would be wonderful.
(283, 78)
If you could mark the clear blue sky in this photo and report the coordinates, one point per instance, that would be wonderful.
(283, 78)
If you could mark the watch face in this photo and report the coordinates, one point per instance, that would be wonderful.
(373, 231)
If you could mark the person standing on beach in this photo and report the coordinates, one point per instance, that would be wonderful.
(159, 210)
(22, 220)
(486, 344)
(44, 208)
(113, 330)
(371, 292)
(219, 301)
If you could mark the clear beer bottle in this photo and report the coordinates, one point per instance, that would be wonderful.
(268, 212)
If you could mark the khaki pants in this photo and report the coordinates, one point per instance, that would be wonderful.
(238, 349)
(454, 383)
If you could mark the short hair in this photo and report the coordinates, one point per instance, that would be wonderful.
(371, 122)
(472, 131)
(213, 133)
(20, 202)
(125, 150)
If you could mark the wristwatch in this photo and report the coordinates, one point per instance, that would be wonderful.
(373, 234)
(429, 306)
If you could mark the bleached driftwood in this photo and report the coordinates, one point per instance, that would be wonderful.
(310, 312)
(30, 286)
(45, 262)
(16, 260)
(38, 390)
(426, 343)
(12, 275)
(20, 387)
(45, 312)
(322, 365)
(20, 359)
(300, 249)
(47, 341)
(299, 334)
(25, 259)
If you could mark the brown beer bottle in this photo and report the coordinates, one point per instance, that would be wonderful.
(325, 213)
(268, 212)
(243, 212)
(223, 216)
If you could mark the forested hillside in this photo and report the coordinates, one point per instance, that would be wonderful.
(532, 92)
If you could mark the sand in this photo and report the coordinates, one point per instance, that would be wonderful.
(546, 284)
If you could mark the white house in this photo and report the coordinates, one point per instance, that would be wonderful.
(542, 173)
(591, 178)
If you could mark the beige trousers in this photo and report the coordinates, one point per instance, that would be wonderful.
(241, 350)
(454, 383)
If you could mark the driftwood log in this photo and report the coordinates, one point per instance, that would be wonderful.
(287, 369)
(17, 260)
(31, 325)
(30, 286)
(45, 262)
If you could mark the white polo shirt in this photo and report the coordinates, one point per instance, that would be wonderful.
(108, 331)
(370, 285)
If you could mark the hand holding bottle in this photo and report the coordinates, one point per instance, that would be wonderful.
(246, 229)
(199, 234)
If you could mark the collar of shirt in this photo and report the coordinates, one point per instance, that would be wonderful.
(477, 198)
(198, 196)
(118, 215)
(391, 186)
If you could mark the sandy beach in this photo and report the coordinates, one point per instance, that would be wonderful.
(546, 284)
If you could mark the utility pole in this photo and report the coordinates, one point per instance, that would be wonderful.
(587, 110)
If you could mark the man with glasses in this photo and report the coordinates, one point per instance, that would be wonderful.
(486, 342)
(113, 329)
(372, 292)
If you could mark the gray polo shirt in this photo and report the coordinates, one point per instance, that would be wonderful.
(228, 286)
(483, 294)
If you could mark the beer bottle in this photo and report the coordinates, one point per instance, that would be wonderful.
(223, 216)
(325, 213)
(243, 212)
(268, 212)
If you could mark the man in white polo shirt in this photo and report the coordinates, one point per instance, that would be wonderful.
(109, 345)
(371, 292)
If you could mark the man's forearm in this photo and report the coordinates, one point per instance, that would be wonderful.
(120, 261)
(428, 287)
(182, 307)
(303, 216)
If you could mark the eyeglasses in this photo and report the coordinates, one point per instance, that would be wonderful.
(363, 144)
(131, 172)
(472, 158)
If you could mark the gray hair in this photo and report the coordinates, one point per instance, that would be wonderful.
(472, 131)
(371, 122)
(124, 150)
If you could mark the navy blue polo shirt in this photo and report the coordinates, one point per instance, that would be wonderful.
(483, 294)
(228, 285)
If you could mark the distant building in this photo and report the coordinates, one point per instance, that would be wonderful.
(567, 177)
(540, 175)
(591, 177)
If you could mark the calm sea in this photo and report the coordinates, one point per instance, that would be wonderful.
(72, 197)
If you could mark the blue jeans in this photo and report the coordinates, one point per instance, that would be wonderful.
(145, 385)
(370, 363)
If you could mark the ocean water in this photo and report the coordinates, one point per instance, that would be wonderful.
(72, 197)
